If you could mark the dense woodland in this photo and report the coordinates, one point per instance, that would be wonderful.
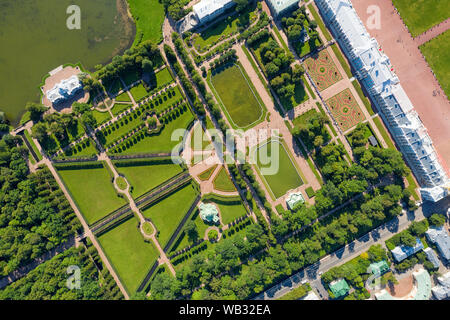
(49, 280)
(35, 216)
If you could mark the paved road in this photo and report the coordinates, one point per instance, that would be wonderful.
(378, 235)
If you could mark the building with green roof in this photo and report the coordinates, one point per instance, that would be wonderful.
(378, 268)
(281, 7)
(209, 212)
(339, 288)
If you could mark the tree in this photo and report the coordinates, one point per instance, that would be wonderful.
(241, 4)
(39, 131)
(437, 219)
(147, 65)
(190, 229)
(35, 110)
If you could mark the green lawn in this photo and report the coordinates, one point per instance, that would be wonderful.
(239, 100)
(205, 175)
(149, 17)
(364, 99)
(163, 77)
(199, 139)
(115, 130)
(437, 54)
(183, 240)
(143, 178)
(167, 213)
(138, 92)
(163, 101)
(118, 108)
(421, 15)
(92, 191)
(231, 211)
(85, 148)
(162, 142)
(285, 175)
(384, 133)
(129, 254)
(101, 117)
(123, 97)
(33, 145)
(222, 181)
(319, 21)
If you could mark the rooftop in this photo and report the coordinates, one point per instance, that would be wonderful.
(279, 6)
(440, 237)
(209, 212)
(339, 288)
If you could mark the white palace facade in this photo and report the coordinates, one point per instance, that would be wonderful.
(374, 71)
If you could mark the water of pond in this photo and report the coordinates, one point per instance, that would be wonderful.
(34, 39)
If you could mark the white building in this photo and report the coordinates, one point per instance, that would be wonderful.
(440, 237)
(64, 90)
(374, 71)
(442, 290)
(402, 252)
(207, 10)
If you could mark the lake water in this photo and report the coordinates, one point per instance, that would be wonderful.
(34, 39)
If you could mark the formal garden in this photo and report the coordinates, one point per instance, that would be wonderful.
(238, 98)
(323, 70)
(345, 110)
(129, 253)
(282, 172)
(168, 212)
(90, 185)
(144, 175)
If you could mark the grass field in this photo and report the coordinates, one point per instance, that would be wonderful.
(115, 131)
(162, 142)
(222, 181)
(138, 92)
(167, 213)
(240, 102)
(364, 99)
(199, 139)
(320, 23)
(85, 148)
(123, 97)
(231, 211)
(92, 191)
(183, 241)
(33, 145)
(421, 15)
(143, 178)
(131, 257)
(285, 175)
(437, 54)
(118, 108)
(149, 16)
(163, 77)
(101, 117)
(206, 175)
(383, 132)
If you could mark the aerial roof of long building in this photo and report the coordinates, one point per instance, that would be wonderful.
(375, 72)
(206, 7)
